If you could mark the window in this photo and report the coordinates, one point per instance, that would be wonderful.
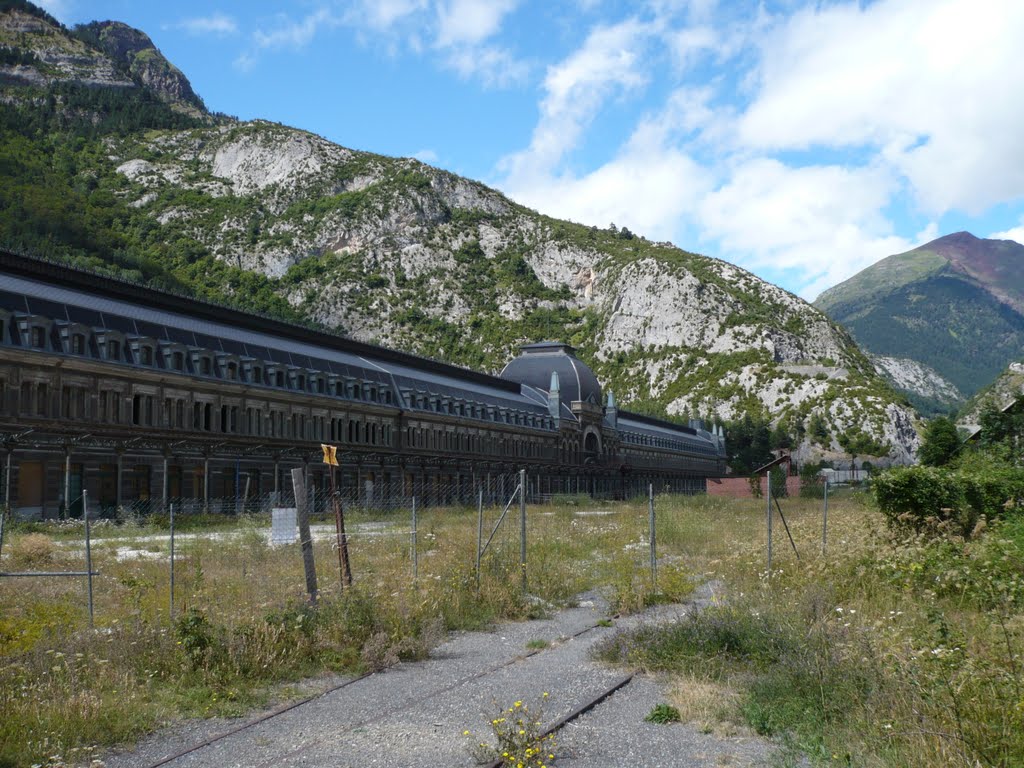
(146, 355)
(257, 375)
(77, 344)
(42, 397)
(232, 371)
(113, 349)
(205, 367)
(279, 379)
(38, 337)
(178, 361)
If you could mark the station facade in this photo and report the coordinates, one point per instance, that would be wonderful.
(143, 397)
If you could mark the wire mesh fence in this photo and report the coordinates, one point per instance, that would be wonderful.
(224, 556)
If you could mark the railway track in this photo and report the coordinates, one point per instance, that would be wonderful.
(381, 719)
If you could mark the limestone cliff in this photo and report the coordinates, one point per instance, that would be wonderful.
(397, 252)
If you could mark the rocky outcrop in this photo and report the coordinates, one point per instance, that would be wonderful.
(918, 378)
(135, 53)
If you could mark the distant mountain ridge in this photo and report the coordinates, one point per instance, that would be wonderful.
(119, 170)
(955, 304)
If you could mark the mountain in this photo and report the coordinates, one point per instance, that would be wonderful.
(113, 169)
(1007, 387)
(955, 305)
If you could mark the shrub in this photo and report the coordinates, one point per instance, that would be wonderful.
(33, 551)
(922, 498)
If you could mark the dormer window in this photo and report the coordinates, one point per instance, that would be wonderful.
(257, 375)
(279, 379)
(38, 337)
(231, 371)
(78, 344)
(146, 355)
(202, 362)
(178, 361)
(113, 350)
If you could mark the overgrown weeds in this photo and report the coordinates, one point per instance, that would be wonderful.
(892, 650)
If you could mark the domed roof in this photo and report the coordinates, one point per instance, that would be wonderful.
(538, 361)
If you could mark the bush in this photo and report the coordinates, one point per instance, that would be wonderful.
(922, 498)
(33, 551)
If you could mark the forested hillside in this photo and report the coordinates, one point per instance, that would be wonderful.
(99, 168)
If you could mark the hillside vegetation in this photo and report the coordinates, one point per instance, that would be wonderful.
(107, 169)
(955, 305)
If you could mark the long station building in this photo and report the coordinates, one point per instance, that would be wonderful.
(143, 397)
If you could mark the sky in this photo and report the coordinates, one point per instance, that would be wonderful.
(800, 140)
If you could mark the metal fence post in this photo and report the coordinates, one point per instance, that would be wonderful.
(654, 546)
(824, 521)
(479, 532)
(768, 515)
(415, 561)
(88, 553)
(522, 525)
(170, 604)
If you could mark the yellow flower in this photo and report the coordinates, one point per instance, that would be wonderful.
(465, 733)
(518, 704)
(545, 694)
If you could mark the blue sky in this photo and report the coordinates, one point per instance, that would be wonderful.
(800, 140)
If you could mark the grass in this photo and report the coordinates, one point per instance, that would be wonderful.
(242, 629)
(883, 652)
(900, 652)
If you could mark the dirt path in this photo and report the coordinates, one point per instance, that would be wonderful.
(415, 714)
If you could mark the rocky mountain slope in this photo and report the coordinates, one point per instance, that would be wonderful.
(1007, 387)
(955, 305)
(397, 252)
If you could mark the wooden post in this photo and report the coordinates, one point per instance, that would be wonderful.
(344, 566)
(305, 538)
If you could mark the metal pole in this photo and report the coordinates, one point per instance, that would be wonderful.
(522, 525)
(824, 521)
(415, 561)
(768, 513)
(7, 480)
(654, 546)
(67, 484)
(120, 481)
(88, 552)
(164, 490)
(170, 604)
(206, 485)
(479, 532)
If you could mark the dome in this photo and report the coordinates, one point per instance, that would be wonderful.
(538, 361)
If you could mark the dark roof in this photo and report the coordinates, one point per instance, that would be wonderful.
(538, 361)
(133, 294)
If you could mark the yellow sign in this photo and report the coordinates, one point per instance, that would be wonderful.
(330, 454)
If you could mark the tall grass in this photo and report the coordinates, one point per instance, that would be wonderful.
(886, 651)
(242, 625)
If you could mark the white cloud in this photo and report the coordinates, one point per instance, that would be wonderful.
(470, 22)
(1014, 233)
(495, 67)
(426, 156)
(218, 24)
(294, 34)
(651, 186)
(575, 90)
(384, 14)
(928, 84)
(825, 222)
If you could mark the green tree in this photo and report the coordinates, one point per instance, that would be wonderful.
(940, 443)
(857, 442)
(749, 443)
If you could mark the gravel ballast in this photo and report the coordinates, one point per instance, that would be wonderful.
(415, 714)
